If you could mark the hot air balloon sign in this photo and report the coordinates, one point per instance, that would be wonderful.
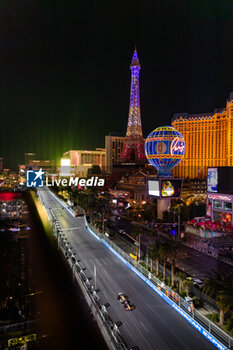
(165, 148)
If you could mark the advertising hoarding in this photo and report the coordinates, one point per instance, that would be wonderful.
(165, 188)
(153, 188)
(170, 188)
(212, 180)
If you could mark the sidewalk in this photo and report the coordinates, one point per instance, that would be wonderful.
(205, 246)
(209, 247)
(209, 305)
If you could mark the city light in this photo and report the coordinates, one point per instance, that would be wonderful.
(88, 200)
(65, 167)
(65, 162)
(134, 143)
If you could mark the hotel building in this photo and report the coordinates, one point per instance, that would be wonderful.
(114, 146)
(82, 160)
(208, 138)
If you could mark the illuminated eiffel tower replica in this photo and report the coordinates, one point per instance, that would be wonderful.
(133, 149)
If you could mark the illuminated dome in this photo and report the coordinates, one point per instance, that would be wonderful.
(164, 148)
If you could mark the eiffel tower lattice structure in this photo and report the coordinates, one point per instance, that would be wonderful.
(133, 149)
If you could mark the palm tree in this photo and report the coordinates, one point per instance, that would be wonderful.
(217, 285)
(81, 198)
(155, 255)
(164, 254)
(225, 298)
(91, 207)
(171, 249)
(187, 284)
(181, 276)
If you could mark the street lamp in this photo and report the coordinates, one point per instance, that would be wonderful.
(138, 256)
(139, 247)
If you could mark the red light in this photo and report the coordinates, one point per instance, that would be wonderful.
(9, 196)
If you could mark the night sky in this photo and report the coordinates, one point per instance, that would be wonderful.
(65, 77)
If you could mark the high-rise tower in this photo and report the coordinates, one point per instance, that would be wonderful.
(208, 138)
(133, 149)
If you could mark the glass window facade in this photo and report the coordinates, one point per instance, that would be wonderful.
(218, 205)
(227, 206)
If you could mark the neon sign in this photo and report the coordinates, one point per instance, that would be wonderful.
(220, 196)
(177, 146)
(164, 149)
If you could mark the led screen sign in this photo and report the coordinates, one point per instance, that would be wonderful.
(171, 188)
(153, 188)
(165, 188)
(219, 180)
(212, 180)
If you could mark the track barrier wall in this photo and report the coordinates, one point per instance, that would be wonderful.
(208, 329)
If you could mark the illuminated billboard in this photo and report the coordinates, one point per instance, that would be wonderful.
(212, 180)
(171, 188)
(219, 180)
(153, 188)
(165, 188)
(164, 149)
(65, 167)
(208, 210)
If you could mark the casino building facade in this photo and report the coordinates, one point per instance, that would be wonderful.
(208, 138)
(219, 207)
